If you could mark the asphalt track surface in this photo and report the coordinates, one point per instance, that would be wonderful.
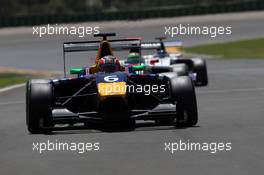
(230, 110)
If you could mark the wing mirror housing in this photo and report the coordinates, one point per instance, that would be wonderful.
(77, 71)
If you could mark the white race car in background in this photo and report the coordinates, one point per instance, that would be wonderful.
(169, 54)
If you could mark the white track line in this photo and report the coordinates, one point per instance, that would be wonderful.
(12, 103)
(12, 87)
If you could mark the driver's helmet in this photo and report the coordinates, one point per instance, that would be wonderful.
(133, 58)
(161, 53)
(109, 64)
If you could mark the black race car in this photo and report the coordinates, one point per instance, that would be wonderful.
(107, 92)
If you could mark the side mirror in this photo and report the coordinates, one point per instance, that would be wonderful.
(78, 71)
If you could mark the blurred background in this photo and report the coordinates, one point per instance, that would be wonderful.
(32, 12)
(58, 7)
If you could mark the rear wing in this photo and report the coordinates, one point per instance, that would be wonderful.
(116, 45)
(170, 46)
(85, 46)
(150, 45)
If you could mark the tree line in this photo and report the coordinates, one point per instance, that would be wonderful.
(74, 7)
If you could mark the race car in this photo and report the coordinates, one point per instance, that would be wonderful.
(136, 64)
(169, 53)
(107, 93)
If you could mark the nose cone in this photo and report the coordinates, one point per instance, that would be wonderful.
(111, 89)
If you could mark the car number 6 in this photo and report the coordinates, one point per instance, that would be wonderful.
(111, 78)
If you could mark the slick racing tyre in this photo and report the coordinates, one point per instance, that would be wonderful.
(183, 92)
(39, 97)
(129, 124)
(199, 67)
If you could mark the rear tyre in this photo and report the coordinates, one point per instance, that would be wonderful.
(129, 124)
(199, 67)
(39, 97)
(183, 93)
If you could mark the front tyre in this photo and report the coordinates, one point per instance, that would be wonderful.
(199, 67)
(39, 99)
(183, 93)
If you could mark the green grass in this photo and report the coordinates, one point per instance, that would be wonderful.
(239, 49)
(8, 79)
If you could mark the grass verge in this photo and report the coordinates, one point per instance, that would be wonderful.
(8, 79)
(11, 76)
(238, 49)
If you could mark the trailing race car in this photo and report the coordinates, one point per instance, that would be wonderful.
(107, 92)
(169, 53)
(136, 64)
